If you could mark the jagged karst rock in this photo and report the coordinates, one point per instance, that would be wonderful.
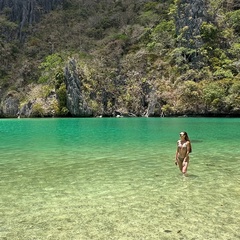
(76, 101)
(39, 105)
(26, 110)
(154, 106)
(27, 12)
(10, 105)
(189, 18)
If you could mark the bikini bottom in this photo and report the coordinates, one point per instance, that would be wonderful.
(181, 159)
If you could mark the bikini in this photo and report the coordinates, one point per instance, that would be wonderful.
(180, 145)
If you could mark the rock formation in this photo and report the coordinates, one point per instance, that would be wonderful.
(76, 101)
(189, 18)
(10, 105)
(27, 12)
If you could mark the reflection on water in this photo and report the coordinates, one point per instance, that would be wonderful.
(116, 179)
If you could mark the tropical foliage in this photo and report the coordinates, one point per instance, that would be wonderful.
(133, 56)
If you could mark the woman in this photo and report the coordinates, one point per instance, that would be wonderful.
(182, 154)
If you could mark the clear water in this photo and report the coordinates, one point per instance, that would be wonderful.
(116, 179)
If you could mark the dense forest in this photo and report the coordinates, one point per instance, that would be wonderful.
(88, 58)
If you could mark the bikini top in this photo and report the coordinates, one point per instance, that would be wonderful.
(184, 145)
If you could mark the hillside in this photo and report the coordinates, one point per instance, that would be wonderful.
(125, 57)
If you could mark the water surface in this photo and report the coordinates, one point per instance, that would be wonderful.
(115, 179)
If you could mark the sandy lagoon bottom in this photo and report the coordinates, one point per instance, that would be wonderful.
(130, 199)
(103, 179)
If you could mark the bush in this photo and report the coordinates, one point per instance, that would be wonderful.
(37, 110)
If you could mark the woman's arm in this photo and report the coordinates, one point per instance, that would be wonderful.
(176, 156)
(188, 151)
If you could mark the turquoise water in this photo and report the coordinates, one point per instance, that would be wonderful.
(115, 178)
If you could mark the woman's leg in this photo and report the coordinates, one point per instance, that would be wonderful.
(180, 163)
(185, 166)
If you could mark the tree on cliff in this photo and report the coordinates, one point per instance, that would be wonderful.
(135, 57)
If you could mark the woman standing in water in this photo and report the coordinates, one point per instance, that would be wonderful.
(182, 154)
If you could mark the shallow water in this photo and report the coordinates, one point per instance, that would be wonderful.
(115, 179)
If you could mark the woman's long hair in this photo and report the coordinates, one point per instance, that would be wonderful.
(187, 139)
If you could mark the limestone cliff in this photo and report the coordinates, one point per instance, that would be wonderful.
(127, 58)
(10, 105)
(76, 102)
(27, 12)
(189, 18)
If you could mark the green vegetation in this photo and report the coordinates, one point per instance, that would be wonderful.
(132, 56)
